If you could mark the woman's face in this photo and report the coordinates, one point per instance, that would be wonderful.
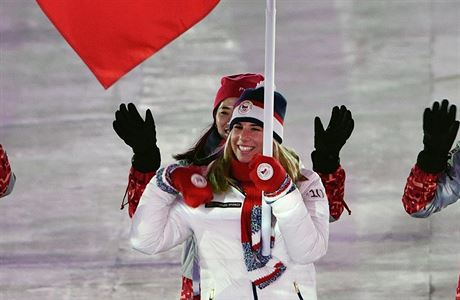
(246, 140)
(223, 116)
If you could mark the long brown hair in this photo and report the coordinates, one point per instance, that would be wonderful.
(205, 150)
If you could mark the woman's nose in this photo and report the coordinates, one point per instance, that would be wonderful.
(245, 134)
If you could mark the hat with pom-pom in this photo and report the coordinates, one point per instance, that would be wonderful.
(250, 108)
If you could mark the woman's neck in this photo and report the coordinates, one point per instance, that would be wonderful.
(240, 171)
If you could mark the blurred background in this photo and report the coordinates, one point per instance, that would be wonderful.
(62, 234)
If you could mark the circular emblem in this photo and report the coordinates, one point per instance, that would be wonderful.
(245, 107)
(264, 171)
(198, 181)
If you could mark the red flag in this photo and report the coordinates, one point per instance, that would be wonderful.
(113, 37)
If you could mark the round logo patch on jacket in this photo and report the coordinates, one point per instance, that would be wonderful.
(264, 171)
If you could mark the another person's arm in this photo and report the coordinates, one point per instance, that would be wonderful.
(140, 135)
(7, 177)
(444, 191)
(334, 183)
(137, 181)
(326, 157)
(432, 185)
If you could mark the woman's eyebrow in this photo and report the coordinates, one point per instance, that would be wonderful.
(226, 107)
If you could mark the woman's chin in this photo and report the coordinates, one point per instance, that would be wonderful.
(245, 158)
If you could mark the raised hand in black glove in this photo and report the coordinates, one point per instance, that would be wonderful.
(140, 135)
(439, 131)
(329, 142)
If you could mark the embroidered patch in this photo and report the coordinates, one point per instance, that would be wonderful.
(198, 181)
(264, 171)
(222, 204)
(316, 193)
(245, 107)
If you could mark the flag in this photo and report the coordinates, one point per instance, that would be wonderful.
(114, 36)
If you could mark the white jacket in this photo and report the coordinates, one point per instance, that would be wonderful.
(163, 221)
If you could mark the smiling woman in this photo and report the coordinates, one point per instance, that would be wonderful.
(130, 127)
(223, 214)
(247, 133)
(246, 140)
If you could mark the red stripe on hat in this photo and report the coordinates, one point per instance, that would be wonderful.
(261, 105)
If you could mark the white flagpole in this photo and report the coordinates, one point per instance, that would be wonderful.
(270, 22)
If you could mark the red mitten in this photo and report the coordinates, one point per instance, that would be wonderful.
(192, 185)
(266, 173)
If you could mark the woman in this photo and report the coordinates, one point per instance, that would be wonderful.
(140, 135)
(226, 223)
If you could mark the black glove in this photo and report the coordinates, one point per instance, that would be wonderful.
(329, 142)
(140, 135)
(439, 131)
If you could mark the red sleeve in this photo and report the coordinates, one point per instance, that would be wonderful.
(137, 182)
(420, 189)
(457, 297)
(5, 172)
(334, 183)
(187, 290)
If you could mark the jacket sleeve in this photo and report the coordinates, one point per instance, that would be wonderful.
(334, 183)
(419, 190)
(161, 220)
(137, 182)
(303, 219)
(7, 177)
(447, 190)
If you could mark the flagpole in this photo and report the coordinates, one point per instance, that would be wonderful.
(270, 22)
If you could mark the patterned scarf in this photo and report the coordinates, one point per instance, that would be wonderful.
(262, 270)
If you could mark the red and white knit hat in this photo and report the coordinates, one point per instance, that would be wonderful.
(234, 85)
(250, 108)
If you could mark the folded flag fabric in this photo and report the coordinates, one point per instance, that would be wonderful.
(113, 37)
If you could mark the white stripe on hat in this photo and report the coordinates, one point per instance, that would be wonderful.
(247, 109)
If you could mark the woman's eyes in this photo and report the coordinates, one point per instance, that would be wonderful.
(252, 128)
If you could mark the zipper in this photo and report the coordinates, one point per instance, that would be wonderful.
(254, 292)
(297, 290)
